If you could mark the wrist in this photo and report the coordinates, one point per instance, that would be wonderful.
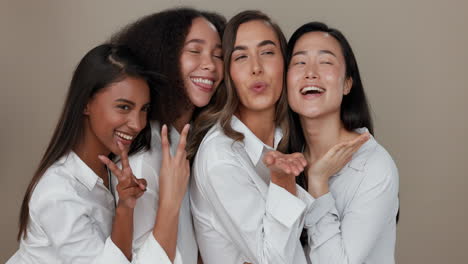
(317, 188)
(122, 209)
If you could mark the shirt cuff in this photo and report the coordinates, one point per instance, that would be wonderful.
(321, 206)
(305, 197)
(283, 206)
(152, 252)
(112, 254)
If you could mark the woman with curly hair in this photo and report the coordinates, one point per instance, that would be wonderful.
(184, 45)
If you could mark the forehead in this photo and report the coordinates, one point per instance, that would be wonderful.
(202, 28)
(315, 41)
(129, 88)
(253, 32)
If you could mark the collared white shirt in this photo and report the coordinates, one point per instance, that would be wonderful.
(355, 221)
(239, 215)
(70, 220)
(146, 165)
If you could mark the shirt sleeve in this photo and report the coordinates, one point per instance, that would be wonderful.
(152, 252)
(265, 228)
(349, 238)
(65, 219)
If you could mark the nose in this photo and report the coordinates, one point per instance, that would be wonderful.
(311, 72)
(208, 62)
(137, 121)
(257, 67)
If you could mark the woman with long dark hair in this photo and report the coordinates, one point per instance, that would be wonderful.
(354, 215)
(184, 45)
(245, 201)
(68, 214)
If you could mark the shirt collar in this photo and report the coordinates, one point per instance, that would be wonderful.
(84, 174)
(361, 156)
(252, 144)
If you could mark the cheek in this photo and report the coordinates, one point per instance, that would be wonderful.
(187, 65)
(220, 69)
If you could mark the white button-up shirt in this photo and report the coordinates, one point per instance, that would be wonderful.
(239, 215)
(355, 221)
(70, 220)
(146, 165)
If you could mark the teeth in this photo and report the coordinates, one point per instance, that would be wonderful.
(312, 88)
(124, 136)
(201, 80)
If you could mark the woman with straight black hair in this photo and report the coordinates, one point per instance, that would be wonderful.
(68, 214)
(184, 45)
(353, 218)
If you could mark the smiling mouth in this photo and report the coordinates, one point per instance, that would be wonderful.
(124, 136)
(206, 84)
(312, 90)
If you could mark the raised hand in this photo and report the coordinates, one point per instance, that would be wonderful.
(129, 187)
(320, 171)
(285, 164)
(284, 168)
(175, 171)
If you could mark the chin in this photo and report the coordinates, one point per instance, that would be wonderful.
(200, 102)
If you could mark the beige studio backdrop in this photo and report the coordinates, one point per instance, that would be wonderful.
(412, 56)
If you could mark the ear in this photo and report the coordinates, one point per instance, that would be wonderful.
(86, 109)
(347, 86)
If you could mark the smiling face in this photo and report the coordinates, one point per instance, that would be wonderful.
(257, 66)
(201, 62)
(316, 76)
(117, 113)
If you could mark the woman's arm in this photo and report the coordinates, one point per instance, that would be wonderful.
(263, 222)
(350, 238)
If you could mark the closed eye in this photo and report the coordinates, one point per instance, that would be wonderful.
(268, 53)
(240, 57)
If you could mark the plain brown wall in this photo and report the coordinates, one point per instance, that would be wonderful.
(413, 60)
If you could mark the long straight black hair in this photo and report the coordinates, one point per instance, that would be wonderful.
(100, 67)
(355, 112)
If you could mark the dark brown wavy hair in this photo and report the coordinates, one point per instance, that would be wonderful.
(225, 101)
(157, 41)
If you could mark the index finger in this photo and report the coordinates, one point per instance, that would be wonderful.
(165, 144)
(123, 156)
(111, 165)
(182, 142)
(361, 139)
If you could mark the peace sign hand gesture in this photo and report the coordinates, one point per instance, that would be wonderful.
(175, 171)
(129, 187)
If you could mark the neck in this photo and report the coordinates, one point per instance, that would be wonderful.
(88, 149)
(321, 134)
(261, 123)
(185, 118)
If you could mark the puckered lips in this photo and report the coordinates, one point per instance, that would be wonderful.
(124, 137)
(312, 91)
(204, 83)
(259, 86)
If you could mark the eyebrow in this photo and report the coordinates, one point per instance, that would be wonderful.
(125, 101)
(261, 44)
(303, 52)
(200, 41)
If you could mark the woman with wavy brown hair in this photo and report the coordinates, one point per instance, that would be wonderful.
(184, 45)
